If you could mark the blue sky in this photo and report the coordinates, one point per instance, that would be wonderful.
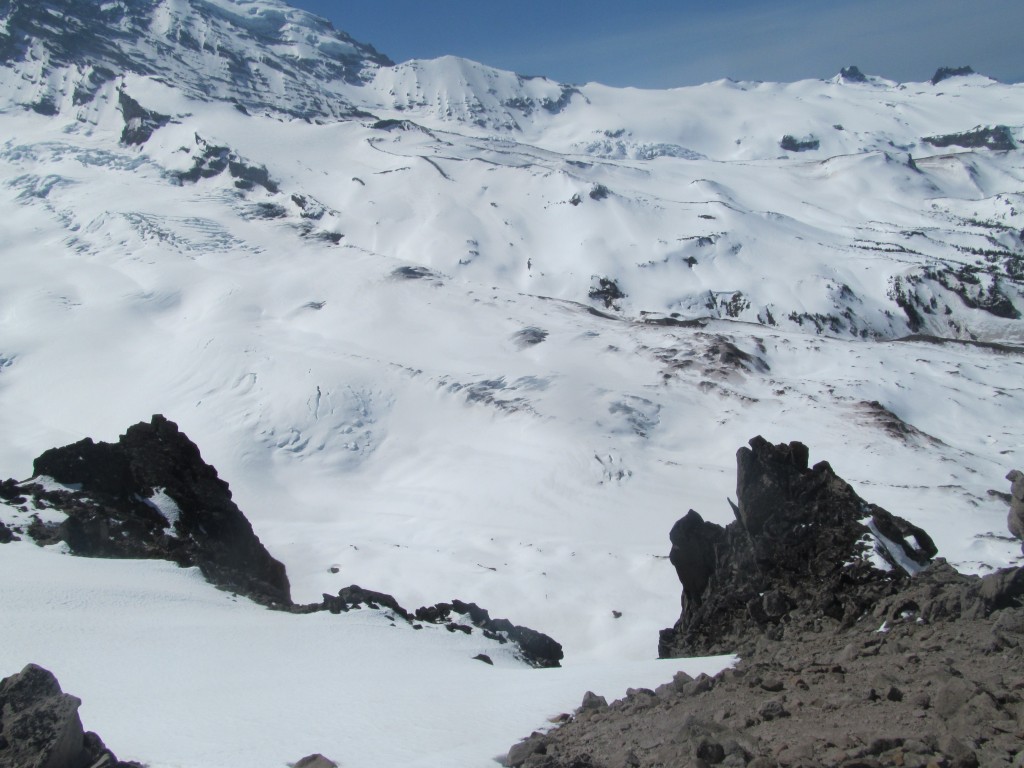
(661, 43)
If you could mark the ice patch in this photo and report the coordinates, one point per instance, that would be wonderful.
(894, 550)
(165, 505)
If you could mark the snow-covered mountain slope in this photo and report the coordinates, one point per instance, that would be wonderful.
(156, 653)
(664, 202)
(258, 54)
(492, 338)
(388, 396)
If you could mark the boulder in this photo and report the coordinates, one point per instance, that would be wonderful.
(791, 143)
(40, 726)
(535, 648)
(1015, 520)
(139, 122)
(355, 597)
(6, 534)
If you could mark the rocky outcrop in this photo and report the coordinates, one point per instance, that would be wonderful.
(40, 726)
(535, 648)
(802, 538)
(998, 138)
(945, 73)
(852, 74)
(793, 144)
(151, 495)
(139, 122)
(1015, 520)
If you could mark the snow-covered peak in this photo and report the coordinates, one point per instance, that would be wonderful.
(454, 89)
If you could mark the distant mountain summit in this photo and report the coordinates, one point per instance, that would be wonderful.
(261, 54)
(883, 208)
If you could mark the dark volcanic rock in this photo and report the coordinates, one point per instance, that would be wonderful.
(355, 597)
(999, 138)
(694, 542)
(151, 495)
(802, 537)
(606, 291)
(852, 75)
(793, 144)
(40, 727)
(7, 535)
(535, 648)
(40, 723)
(944, 73)
(139, 122)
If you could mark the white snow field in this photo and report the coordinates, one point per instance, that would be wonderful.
(177, 674)
(389, 348)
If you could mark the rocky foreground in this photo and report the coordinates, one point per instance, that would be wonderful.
(857, 648)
